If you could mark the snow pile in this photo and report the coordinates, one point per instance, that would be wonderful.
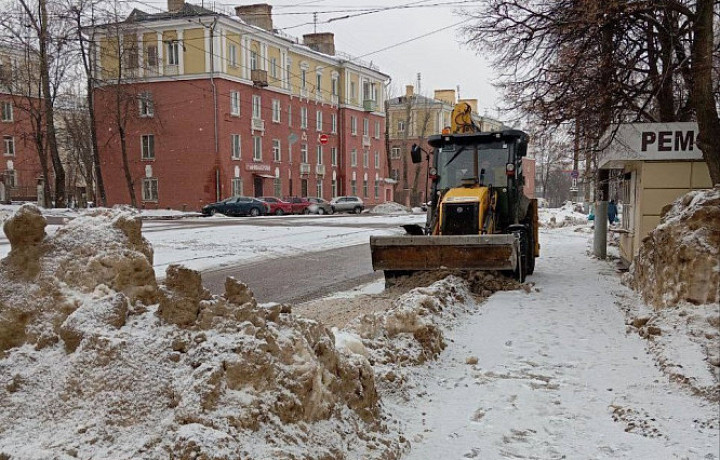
(680, 259)
(390, 207)
(566, 216)
(98, 361)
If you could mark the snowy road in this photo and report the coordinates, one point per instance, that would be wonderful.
(557, 377)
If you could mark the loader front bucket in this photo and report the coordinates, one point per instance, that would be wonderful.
(429, 252)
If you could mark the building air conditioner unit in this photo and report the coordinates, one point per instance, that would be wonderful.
(259, 77)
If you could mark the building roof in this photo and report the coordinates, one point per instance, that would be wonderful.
(188, 10)
(417, 98)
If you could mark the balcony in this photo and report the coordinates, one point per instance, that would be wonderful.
(304, 92)
(320, 170)
(366, 141)
(259, 78)
(369, 105)
(258, 124)
(304, 169)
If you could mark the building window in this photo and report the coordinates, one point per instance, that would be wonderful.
(237, 186)
(273, 68)
(7, 111)
(366, 127)
(303, 117)
(395, 174)
(377, 159)
(318, 83)
(353, 91)
(11, 178)
(333, 122)
(303, 78)
(253, 60)
(365, 188)
(256, 107)
(173, 54)
(276, 111)
(377, 189)
(235, 146)
(333, 156)
(235, 103)
(318, 121)
(319, 188)
(276, 150)
(319, 154)
(147, 108)
(148, 146)
(395, 153)
(377, 130)
(353, 186)
(334, 86)
(366, 158)
(257, 148)
(278, 186)
(289, 153)
(232, 55)
(303, 153)
(9, 142)
(150, 189)
(152, 56)
(290, 116)
(333, 185)
(401, 126)
(353, 126)
(353, 157)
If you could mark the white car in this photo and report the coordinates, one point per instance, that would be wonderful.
(347, 204)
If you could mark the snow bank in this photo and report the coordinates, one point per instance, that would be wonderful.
(565, 216)
(679, 261)
(99, 361)
(390, 207)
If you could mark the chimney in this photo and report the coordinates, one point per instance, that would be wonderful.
(445, 95)
(323, 42)
(258, 15)
(409, 90)
(473, 103)
(175, 6)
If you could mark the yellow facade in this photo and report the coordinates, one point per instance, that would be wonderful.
(234, 39)
(194, 50)
(274, 56)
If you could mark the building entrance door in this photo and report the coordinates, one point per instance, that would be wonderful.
(258, 182)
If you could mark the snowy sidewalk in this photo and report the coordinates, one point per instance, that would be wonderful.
(557, 377)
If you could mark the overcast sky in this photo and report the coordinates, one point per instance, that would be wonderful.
(440, 58)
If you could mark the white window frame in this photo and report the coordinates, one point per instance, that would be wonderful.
(7, 111)
(395, 153)
(377, 130)
(333, 156)
(256, 107)
(366, 158)
(353, 126)
(377, 159)
(276, 110)
(319, 152)
(235, 146)
(9, 144)
(303, 117)
(289, 116)
(401, 126)
(318, 84)
(173, 53)
(333, 186)
(277, 150)
(257, 148)
(319, 188)
(365, 188)
(150, 189)
(277, 185)
(235, 103)
(353, 187)
(146, 106)
(303, 153)
(333, 123)
(377, 189)
(318, 120)
(366, 127)
(353, 158)
(273, 67)
(147, 147)
(152, 57)
(237, 186)
(253, 60)
(232, 55)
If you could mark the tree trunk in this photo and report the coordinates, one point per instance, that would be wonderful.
(702, 90)
(49, 111)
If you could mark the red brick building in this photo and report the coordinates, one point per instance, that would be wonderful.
(215, 106)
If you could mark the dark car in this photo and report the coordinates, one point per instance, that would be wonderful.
(277, 206)
(319, 206)
(300, 205)
(347, 204)
(237, 206)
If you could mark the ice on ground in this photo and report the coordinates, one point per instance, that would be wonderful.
(679, 261)
(567, 215)
(99, 361)
(390, 207)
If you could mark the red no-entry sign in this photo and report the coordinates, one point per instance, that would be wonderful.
(323, 138)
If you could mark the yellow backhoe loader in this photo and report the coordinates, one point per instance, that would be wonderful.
(478, 217)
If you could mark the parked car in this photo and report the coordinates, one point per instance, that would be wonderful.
(237, 206)
(300, 205)
(277, 206)
(319, 206)
(347, 204)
